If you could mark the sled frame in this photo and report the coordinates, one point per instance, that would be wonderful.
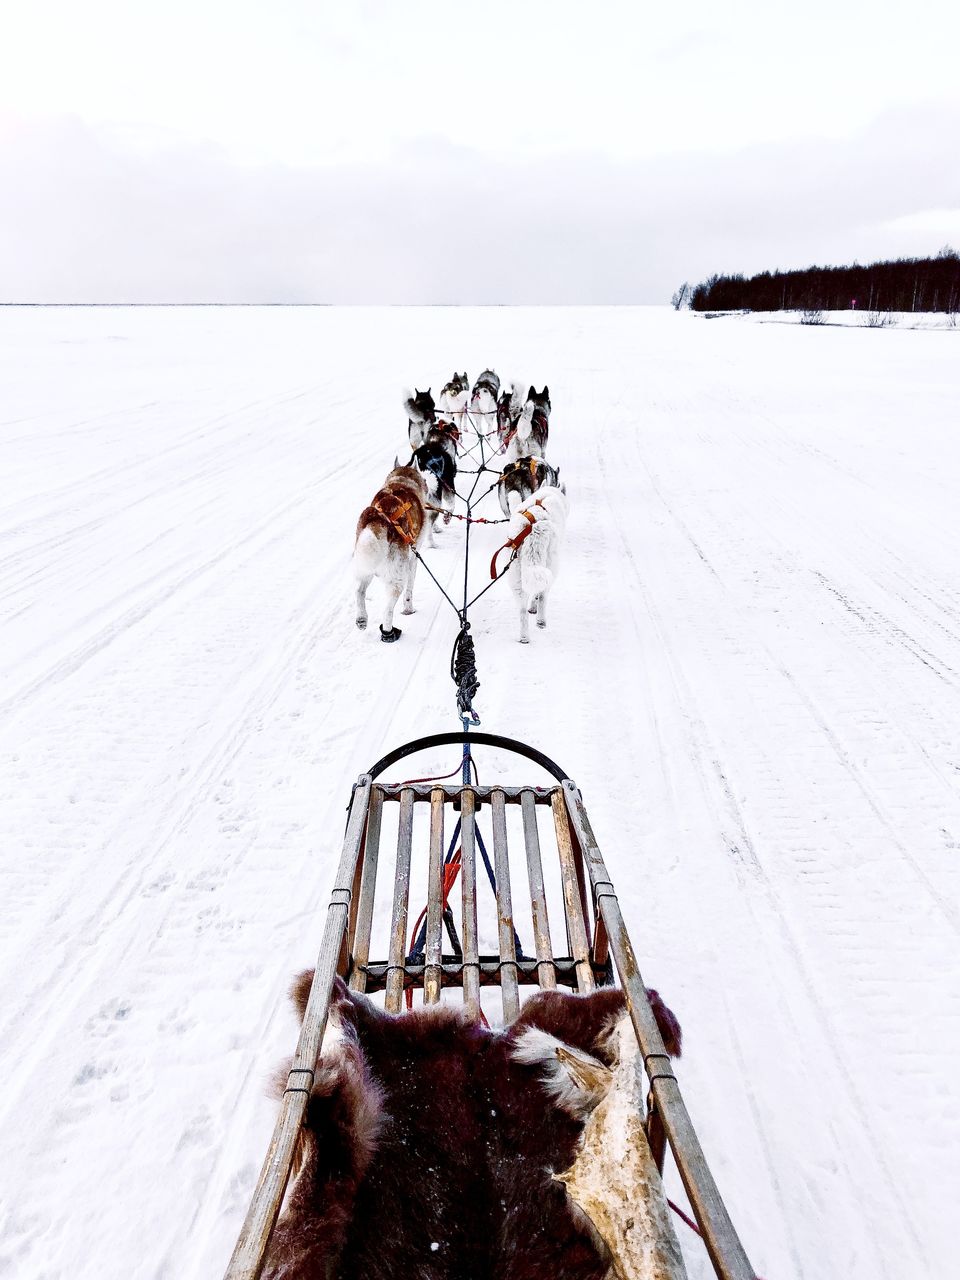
(594, 931)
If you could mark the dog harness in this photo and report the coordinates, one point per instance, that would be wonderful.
(515, 543)
(511, 467)
(394, 520)
(505, 445)
(448, 429)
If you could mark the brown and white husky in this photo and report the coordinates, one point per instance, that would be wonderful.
(389, 532)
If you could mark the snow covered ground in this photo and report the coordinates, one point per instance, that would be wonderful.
(752, 671)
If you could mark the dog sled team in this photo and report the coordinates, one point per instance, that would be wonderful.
(402, 517)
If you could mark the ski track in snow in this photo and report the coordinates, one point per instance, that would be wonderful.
(752, 669)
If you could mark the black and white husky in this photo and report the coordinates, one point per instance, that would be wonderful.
(436, 459)
(421, 415)
(483, 400)
(533, 426)
(519, 479)
(540, 524)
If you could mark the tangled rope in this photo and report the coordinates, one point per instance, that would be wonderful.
(463, 670)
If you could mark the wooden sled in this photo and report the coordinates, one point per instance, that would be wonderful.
(595, 936)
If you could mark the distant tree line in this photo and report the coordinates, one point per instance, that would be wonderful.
(909, 284)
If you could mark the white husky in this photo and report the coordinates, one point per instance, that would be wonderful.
(539, 522)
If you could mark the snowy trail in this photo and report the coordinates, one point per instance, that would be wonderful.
(752, 670)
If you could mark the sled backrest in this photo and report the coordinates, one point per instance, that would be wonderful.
(488, 918)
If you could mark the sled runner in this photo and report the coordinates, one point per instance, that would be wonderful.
(502, 919)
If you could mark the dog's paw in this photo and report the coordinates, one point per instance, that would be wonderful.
(362, 624)
(541, 623)
(524, 639)
(408, 608)
(388, 637)
(532, 608)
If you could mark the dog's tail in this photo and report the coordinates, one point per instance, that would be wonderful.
(368, 551)
(534, 579)
(525, 423)
(410, 406)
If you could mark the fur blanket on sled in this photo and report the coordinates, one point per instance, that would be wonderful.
(430, 1142)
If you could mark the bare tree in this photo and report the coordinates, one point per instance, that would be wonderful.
(681, 298)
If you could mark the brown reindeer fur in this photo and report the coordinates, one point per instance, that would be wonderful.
(400, 502)
(422, 1130)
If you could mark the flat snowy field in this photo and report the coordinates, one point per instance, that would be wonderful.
(752, 670)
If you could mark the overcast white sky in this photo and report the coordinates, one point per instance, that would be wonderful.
(425, 151)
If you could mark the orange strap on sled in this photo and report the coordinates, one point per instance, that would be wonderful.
(515, 543)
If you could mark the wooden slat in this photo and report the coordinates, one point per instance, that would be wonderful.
(727, 1254)
(573, 905)
(468, 894)
(401, 895)
(453, 791)
(247, 1260)
(501, 869)
(368, 888)
(538, 898)
(434, 937)
(454, 976)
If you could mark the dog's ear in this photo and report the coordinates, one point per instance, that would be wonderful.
(531, 393)
(396, 462)
(416, 391)
(545, 393)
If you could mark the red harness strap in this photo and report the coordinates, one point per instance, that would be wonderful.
(448, 429)
(515, 543)
(505, 445)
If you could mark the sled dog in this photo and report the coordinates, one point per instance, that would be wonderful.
(520, 479)
(388, 532)
(421, 415)
(483, 400)
(536, 530)
(436, 459)
(533, 428)
(452, 406)
(509, 408)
